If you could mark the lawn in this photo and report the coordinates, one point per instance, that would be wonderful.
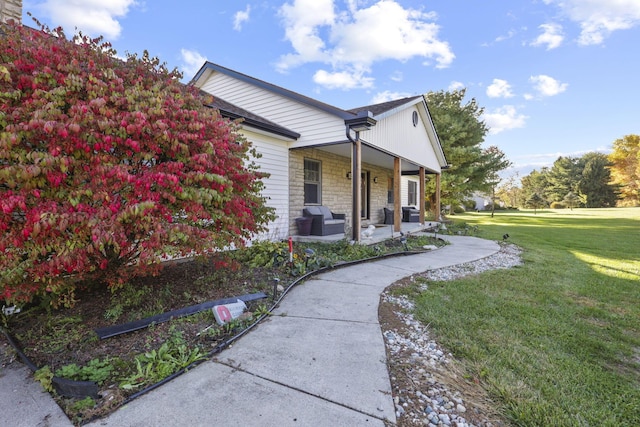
(555, 341)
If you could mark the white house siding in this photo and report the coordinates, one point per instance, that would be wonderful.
(315, 126)
(396, 134)
(404, 190)
(274, 161)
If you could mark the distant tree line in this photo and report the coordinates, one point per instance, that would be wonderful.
(594, 180)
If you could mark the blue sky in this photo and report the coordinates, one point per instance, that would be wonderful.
(555, 77)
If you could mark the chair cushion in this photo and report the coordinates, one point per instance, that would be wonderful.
(333, 221)
(313, 210)
(326, 212)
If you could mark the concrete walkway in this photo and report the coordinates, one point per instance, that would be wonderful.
(318, 361)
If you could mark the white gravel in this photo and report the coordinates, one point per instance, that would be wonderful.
(428, 401)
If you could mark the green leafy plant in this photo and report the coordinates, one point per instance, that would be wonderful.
(155, 365)
(45, 377)
(96, 370)
(83, 404)
(261, 310)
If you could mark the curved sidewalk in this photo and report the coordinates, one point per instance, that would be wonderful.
(319, 360)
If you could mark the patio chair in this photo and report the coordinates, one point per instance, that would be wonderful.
(324, 221)
(410, 214)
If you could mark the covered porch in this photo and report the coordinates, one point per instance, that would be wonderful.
(382, 232)
(362, 182)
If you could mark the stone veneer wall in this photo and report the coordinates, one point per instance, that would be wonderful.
(336, 188)
(11, 9)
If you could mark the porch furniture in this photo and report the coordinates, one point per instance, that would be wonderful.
(324, 221)
(388, 216)
(410, 214)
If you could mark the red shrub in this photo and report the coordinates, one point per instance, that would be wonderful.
(107, 166)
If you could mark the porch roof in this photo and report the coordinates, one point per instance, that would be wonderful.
(372, 155)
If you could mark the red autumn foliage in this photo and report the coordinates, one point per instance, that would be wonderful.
(108, 166)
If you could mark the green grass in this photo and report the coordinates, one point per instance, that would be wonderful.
(557, 340)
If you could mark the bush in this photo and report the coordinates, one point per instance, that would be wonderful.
(108, 166)
(558, 205)
(469, 205)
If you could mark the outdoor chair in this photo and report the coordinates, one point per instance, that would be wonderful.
(324, 221)
(388, 216)
(410, 214)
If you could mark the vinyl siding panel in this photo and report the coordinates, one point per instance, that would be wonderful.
(404, 190)
(314, 126)
(396, 134)
(274, 161)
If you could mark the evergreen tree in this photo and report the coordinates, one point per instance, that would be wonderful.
(536, 182)
(594, 186)
(461, 132)
(563, 177)
(571, 199)
(535, 201)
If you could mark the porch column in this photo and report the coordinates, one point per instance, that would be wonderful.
(356, 182)
(436, 205)
(422, 196)
(397, 203)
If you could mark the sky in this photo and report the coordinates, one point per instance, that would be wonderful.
(554, 77)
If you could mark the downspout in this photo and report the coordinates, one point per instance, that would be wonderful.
(356, 153)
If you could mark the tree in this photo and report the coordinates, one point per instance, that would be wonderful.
(109, 166)
(594, 185)
(461, 132)
(535, 183)
(563, 177)
(492, 162)
(571, 199)
(535, 201)
(509, 191)
(625, 169)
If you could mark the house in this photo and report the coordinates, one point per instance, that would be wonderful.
(355, 161)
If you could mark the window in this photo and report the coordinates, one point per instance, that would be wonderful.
(413, 193)
(389, 190)
(312, 187)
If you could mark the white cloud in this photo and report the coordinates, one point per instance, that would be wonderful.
(551, 36)
(507, 36)
(397, 76)
(240, 17)
(546, 86)
(319, 33)
(454, 85)
(191, 62)
(499, 89)
(343, 79)
(598, 18)
(388, 95)
(504, 118)
(94, 17)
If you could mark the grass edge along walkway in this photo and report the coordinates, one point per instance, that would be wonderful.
(555, 341)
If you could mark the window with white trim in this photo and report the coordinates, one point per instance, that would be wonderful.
(413, 193)
(312, 182)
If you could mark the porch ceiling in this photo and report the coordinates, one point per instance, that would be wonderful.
(370, 155)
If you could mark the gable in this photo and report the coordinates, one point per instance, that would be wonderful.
(396, 133)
